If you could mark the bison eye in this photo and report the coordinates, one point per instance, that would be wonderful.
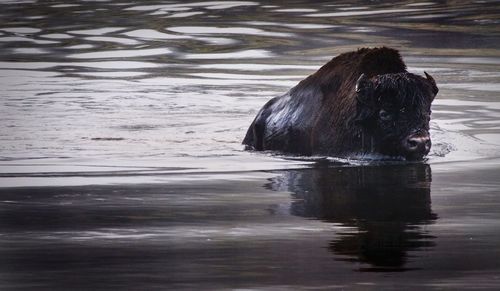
(384, 115)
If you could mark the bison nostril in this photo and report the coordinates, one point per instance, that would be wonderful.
(417, 144)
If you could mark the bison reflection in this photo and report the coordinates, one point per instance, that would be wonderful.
(382, 207)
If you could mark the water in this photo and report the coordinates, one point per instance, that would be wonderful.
(122, 164)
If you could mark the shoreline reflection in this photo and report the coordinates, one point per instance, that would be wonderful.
(382, 210)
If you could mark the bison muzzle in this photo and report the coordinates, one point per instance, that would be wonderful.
(362, 102)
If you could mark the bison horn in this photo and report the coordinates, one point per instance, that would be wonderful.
(364, 90)
(433, 83)
(361, 82)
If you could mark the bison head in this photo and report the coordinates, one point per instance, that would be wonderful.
(394, 111)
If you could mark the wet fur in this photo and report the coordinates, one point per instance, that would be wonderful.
(324, 114)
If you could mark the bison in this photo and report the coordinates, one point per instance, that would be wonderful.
(361, 102)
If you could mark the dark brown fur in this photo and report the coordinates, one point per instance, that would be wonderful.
(324, 114)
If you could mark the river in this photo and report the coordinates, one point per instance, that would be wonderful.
(121, 164)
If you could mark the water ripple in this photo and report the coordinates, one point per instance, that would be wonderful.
(121, 53)
(153, 34)
(226, 30)
(120, 40)
(247, 54)
(97, 31)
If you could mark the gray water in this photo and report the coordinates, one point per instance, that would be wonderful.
(121, 164)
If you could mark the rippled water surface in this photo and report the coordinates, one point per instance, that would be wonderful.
(121, 164)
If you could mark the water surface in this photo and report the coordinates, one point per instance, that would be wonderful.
(121, 164)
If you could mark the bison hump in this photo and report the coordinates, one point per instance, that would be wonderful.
(378, 61)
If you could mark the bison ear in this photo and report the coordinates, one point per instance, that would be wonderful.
(431, 80)
(365, 106)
